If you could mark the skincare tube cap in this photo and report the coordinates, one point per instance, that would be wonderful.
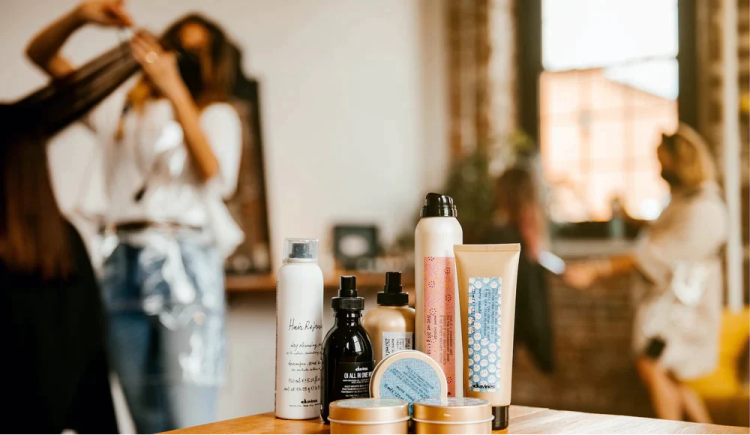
(300, 250)
(347, 299)
(393, 293)
(437, 205)
(501, 419)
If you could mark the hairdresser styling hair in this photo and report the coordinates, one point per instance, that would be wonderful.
(678, 310)
(171, 147)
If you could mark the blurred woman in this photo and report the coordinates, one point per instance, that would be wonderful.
(519, 219)
(53, 360)
(678, 317)
(172, 145)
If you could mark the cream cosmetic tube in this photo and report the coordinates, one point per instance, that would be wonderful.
(487, 292)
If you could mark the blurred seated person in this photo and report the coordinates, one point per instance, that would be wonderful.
(53, 352)
(678, 315)
(172, 146)
(518, 218)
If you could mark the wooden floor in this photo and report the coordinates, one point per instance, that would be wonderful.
(522, 420)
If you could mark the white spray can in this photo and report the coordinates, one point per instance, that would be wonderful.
(438, 323)
(299, 331)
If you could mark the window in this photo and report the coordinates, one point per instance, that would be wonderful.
(608, 90)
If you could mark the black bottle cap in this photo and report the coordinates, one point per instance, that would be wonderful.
(437, 205)
(300, 250)
(347, 299)
(501, 419)
(393, 293)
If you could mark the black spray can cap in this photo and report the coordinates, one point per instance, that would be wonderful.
(437, 205)
(393, 292)
(347, 299)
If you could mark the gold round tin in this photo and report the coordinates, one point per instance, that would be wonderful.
(365, 416)
(453, 415)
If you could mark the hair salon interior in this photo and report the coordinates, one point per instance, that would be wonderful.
(185, 140)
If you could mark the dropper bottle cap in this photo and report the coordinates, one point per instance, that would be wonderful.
(393, 293)
(347, 300)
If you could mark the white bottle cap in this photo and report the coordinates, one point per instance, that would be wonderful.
(300, 250)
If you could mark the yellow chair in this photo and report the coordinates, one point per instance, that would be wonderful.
(727, 398)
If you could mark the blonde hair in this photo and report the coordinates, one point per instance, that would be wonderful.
(693, 162)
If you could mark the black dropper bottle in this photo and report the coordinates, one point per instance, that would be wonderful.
(347, 351)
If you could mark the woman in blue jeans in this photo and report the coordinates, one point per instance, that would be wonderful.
(172, 148)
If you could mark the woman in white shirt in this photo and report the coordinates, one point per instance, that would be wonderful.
(172, 147)
(676, 327)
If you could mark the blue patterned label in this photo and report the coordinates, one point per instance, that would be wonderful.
(484, 333)
(410, 379)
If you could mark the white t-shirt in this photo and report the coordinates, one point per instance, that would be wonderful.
(151, 152)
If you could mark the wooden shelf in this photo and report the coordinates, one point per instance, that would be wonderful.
(250, 283)
(267, 283)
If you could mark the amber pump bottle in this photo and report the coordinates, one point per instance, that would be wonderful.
(390, 325)
(347, 351)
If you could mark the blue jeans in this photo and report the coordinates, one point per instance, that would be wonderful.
(164, 297)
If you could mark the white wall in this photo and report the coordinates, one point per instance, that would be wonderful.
(354, 108)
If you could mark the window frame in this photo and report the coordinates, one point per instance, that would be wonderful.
(530, 67)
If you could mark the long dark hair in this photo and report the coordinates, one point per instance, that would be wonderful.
(216, 86)
(517, 203)
(33, 232)
(515, 190)
(34, 235)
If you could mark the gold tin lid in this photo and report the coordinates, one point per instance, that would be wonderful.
(363, 411)
(453, 410)
(410, 375)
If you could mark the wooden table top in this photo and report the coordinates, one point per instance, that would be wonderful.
(522, 420)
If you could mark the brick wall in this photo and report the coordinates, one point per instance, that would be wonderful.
(743, 27)
(481, 73)
(594, 365)
(710, 28)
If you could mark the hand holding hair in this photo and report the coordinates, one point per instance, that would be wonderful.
(160, 66)
(107, 13)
